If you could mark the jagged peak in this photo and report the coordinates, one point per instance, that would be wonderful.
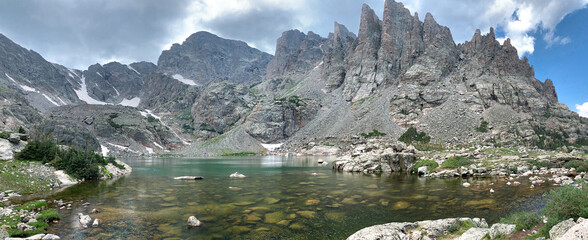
(369, 22)
(429, 18)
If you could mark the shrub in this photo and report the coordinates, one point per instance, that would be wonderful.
(579, 165)
(5, 135)
(483, 127)
(48, 215)
(429, 163)
(152, 119)
(538, 164)
(412, 135)
(566, 202)
(21, 130)
(374, 133)
(455, 162)
(523, 220)
(75, 162)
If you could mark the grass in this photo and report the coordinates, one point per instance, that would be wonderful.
(48, 215)
(431, 164)
(428, 146)
(239, 154)
(523, 220)
(566, 202)
(458, 229)
(32, 205)
(483, 127)
(21, 181)
(456, 162)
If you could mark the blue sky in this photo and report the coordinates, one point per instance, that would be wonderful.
(551, 33)
(566, 65)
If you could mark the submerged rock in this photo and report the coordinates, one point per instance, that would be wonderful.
(189, 178)
(84, 220)
(193, 222)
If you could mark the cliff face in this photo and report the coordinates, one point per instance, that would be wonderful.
(396, 73)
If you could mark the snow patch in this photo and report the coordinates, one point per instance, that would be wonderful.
(184, 80)
(149, 150)
(271, 147)
(50, 100)
(131, 68)
(134, 102)
(104, 151)
(317, 66)
(99, 74)
(153, 115)
(159, 146)
(11, 79)
(121, 147)
(83, 94)
(27, 88)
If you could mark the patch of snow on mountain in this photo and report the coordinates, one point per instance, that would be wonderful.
(131, 68)
(99, 74)
(83, 94)
(149, 150)
(184, 80)
(134, 102)
(271, 147)
(11, 79)
(159, 146)
(50, 100)
(27, 88)
(104, 150)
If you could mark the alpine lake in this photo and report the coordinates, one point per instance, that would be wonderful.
(281, 198)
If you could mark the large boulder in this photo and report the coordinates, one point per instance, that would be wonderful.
(474, 234)
(500, 229)
(578, 231)
(561, 228)
(388, 231)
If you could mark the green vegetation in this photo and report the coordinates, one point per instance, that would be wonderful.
(374, 133)
(48, 215)
(428, 146)
(152, 119)
(483, 127)
(455, 162)
(110, 121)
(22, 182)
(412, 135)
(185, 115)
(239, 154)
(43, 218)
(5, 135)
(32, 205)
(579, 165)
(296, 100)
(431, 164)
(566, 202)
(458, 229)
(539, 164)
(523, 220)
(187, 128)
(21, 130)
(75, 162)
(552, 140)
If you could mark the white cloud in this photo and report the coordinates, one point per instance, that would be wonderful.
(519, 19)
(582, 109)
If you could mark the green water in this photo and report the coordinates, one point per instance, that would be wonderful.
(281, 198)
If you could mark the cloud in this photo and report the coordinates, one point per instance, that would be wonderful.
(582, 109)
(519, 19)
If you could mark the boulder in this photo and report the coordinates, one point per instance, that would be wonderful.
(193, 222)
(3, 234)
(237, 175)
(474, 234)
(96, 222)
(189, 178)
(500, 229)
(36, 237)
(51, 237)
(422, 170)
(84, 220)
(6, 152)
(14, 138)
(561, 228)
(383, 231)
(578, 231)
(439, 227)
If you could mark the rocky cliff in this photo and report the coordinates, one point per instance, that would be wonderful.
(224, 96)
(204, 57)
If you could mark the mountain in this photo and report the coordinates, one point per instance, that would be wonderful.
(210, 96)
(204, 57)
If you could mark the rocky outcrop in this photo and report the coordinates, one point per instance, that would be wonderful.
(279, 119)
(296, 53)
(340, 44)
(204, 57)
(115, 82)
(430, 229)
(375, 157)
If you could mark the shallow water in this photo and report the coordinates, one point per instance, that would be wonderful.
(281, 198)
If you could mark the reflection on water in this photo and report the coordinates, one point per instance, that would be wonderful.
(281, 198)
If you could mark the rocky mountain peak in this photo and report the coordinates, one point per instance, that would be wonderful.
(296, 53)
(203, 57)
(341, 35)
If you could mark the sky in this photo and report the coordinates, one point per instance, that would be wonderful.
(551, 33)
